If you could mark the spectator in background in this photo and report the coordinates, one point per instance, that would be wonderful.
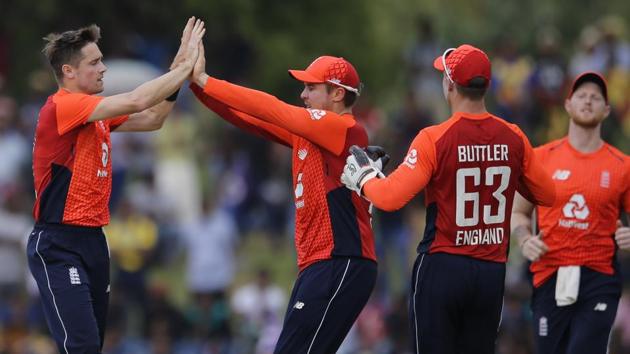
(424, 86)
(132, 238)
(588, 55)
(258, 307)
(210, 243)
(547, 86)
(511, 70)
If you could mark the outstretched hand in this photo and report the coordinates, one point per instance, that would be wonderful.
(189, 46)
(179, 57)
(200, 65)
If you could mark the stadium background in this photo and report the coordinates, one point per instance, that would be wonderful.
(202, 213)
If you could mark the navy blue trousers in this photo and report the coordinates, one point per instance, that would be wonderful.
(455, 304)
(71, 267)
(326, 300)
(583, 327)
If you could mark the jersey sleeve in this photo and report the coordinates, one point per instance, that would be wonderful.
(244, 121)
(409, 178)
(73, 110)
(535, 185)
(323, 128)
(117, 122)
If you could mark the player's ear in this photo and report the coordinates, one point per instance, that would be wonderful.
(607, 110)
(338, 94)
(567, 105)
(68, 71)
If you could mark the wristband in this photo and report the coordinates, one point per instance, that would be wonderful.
(173, 97)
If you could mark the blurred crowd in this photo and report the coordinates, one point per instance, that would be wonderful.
(202, 218)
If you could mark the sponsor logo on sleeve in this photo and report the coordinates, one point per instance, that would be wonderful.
(316, 114)
(411, 159)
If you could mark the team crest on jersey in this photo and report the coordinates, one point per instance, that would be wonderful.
(561, 175)
(411, 159)
(316, 114)
(604, 180)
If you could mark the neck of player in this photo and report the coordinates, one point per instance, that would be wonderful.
(459, 104)
(585, 139)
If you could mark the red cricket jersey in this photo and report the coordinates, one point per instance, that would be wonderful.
(579, 227)
(330, 219)
(471, 166)
(72, 161)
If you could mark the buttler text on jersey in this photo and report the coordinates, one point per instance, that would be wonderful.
(480, 153)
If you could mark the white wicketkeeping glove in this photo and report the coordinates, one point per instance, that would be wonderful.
(358, 170)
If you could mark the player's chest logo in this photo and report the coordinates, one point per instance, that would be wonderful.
(575, 213)
(561, 175)
(604, 179)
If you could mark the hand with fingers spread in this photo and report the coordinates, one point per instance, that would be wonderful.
(200, 65)
(622, 236)
(533, 247)
(190, 43)
(179, 57)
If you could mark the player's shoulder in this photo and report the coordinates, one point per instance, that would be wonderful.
(617, 155)
(553, 145)
(434, 132)
(514, 128)
(66, 98)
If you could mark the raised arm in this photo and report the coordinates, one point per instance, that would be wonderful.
(324, 128)
(242, 120)
(155, 91)
(153, 118)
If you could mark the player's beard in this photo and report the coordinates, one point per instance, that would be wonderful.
(587, 123)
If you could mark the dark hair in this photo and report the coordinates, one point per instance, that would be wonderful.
(348, 99)
(475, 90)
(65, 48)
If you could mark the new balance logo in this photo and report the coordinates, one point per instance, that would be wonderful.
(302, 153)
(298, 305)
(601, 306)
(561, 175)
(74, 276)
